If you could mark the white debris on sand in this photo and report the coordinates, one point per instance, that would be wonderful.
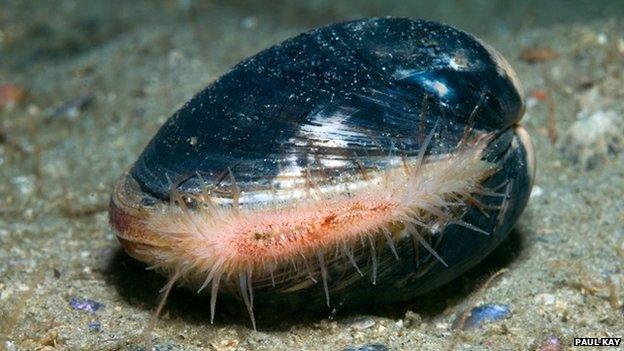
(597, 135)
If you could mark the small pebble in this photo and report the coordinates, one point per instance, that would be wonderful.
(442, 326)
(72, 108)
(596, 135)
(594, 138)
(367, 347)
(531, 102)
(540, 94)
(537, 191)
(545, 299)
(360, 322)
(25, 185)
(551, 344)
(601, 38)
(620, 45)
(94, 327)
(10, 96)
(85, 304)
(483, 314)
(9, 345)
(538, 54)
(412, 319)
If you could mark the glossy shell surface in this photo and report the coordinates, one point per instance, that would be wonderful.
(319, 112)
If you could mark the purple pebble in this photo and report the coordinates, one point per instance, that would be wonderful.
(85, 304)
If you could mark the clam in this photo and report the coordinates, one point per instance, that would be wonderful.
(371, 160)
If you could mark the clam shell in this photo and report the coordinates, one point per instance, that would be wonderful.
(325, 115)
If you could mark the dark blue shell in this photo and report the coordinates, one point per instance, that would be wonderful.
(368, 84)
(374, 71)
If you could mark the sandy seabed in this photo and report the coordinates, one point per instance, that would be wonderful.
(99, 80)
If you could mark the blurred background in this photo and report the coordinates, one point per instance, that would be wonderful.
(58, 29)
